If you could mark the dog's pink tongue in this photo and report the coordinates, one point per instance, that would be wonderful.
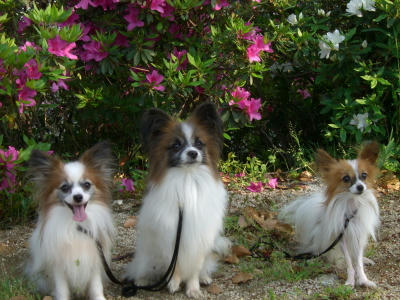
(79, 213)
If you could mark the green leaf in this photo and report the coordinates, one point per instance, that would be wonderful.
(191, 59)
(343, 135)
(227, 136)
(333, 125)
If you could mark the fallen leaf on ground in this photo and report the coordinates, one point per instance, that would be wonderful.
(305, 176)
(242, 222)
(232, 259)
(240, 251)
(214, 289)
(389, 181)
(242, 277)
(130, 222)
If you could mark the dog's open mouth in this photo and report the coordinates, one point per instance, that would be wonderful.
(78, 211)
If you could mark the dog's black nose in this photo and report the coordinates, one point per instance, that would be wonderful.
(360, 188)
(192, 154)
(78, 198)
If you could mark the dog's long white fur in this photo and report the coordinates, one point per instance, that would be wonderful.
(203, 200)
(317, 225)
(62, 258)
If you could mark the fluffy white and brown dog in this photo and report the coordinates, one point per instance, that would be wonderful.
(183, 173)
(65, 261)
(319, 218)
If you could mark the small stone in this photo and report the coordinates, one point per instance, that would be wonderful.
(242, 222)
(118, 202)
(130, 222)
(214, 289)
(327, 279)
(242, 277)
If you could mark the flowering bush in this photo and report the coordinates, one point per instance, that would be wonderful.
(78, 71)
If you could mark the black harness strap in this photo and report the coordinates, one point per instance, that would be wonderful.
(129, 288)
(307, 255)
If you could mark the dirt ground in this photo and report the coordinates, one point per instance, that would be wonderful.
(385, 253)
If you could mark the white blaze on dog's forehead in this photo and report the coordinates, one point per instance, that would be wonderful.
(187, 131)
(354, 164)
(74, 171)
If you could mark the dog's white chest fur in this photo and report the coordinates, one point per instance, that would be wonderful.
(203, 200)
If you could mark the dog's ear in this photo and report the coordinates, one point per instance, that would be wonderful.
(100, 158)
(370, 152)
(150, 127)
(206, 115)
(323, 161)
(41, 166)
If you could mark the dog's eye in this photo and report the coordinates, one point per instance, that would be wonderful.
(198, 143)
(176, 145)
(65, 188)
(86, 185)
(346, 178)
(363, 175)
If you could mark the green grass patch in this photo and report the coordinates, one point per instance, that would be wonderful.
(339, 292)
(10, 287)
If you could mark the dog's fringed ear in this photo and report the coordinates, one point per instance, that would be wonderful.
(370, 152)
(323, 161)
(150, 127)
(100, 157)
(207, 116)
(41, 165)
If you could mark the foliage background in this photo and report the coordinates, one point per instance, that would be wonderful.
(200, 51)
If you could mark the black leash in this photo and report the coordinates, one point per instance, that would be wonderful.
(307, 255)
(129, 288)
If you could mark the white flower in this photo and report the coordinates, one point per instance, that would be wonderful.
(321, 12)
(328, 13)
(292, 19)
(360, 120)
(364, 44)
(300, 16)
(354, 7)
(335, 38)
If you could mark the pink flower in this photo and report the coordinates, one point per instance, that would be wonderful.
(59, 47)
(220, 4)
(168, 12)
(84, 4)
(155, 79)
(182, 58)
(259, 43)
(106, 4)
(128, 184)
(255, 187)
(239, 175)
(253, 105)
(158, 5)
(121, 40)
(93, 50)
(273, 183)
(240, 94)
(1, 105)
(32, 70)
(59, 84)
(7, 159)
(25, 98)
(30, 45)
(8, 181)
(253, 53)
(8, 156)
(132, 18)
(305, 93)
(23, 24)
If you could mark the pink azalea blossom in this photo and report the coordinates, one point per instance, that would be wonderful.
(158, 5)
(239, 175)
(240, 96)
(305, 93)
(23, 24)
(133, 18)
(106, 4)
(182, 58)
(220, 4)
(168, 12)
(259, 43)
(7, 159)
(273, 183)
(253, 105)
(25, 98)
(253, 53)
(128, 184)
(155, 79)
(59, 84)
(59, 47)
(93, 50)
(121, 40)
(255, 187)
(9, 156)
(29, 45)
(32, 70)
(84, 4)
(1, 105)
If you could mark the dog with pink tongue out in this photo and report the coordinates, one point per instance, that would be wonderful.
(73, 200)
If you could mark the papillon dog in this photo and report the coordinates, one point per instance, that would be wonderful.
(319, 218)
(64, 261)
(183, 174)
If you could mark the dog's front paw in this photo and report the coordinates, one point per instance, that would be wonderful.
(368, 262)
(350, 282)
(98, 298)
(193, 292)
(173, 285)
(206, 280)
(367, 283)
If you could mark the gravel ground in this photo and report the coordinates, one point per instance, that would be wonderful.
(386, 254)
